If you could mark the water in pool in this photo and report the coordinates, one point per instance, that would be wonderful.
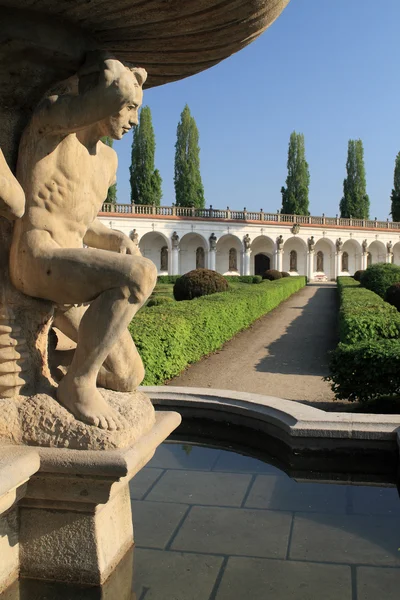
(216, 525)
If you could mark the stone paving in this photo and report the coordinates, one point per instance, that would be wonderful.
(215, 525)
(283, 354)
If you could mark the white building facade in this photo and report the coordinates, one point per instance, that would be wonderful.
(179, 239)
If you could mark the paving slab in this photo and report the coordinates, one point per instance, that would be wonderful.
(154, 523)
(257, 579)
(142, 482)
(198, 487)
(374, 584)
(232, 531)
(174, 575)
(282, 493)
(352, 539)
(237, 463)
(283, 354)
(375, 501)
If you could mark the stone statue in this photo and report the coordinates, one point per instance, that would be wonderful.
(65, 172)
(339, 245)
(134, 237)
(389, 247)
(213, 241)
(311, 243)
(175, 240)
(279, 242)
(364, 245)
(247, 242)
(12, 197)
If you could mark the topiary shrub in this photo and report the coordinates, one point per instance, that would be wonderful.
(285, 274)
(393, 295)
(272, 275)
(157, 300)
(357, 274)
(200, 282)
(379, 277)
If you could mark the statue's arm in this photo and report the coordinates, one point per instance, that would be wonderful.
(100, 236)
(12, 197)
(111, 91)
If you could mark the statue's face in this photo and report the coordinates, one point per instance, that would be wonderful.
(123, 121)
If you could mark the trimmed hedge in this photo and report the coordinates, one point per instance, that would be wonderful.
(272, 275)
(243, 278)
(167, 278)
(199, 282)
(169, 338)
(158, 300)
(363, 315)
(367, 370)
(393, 295)
(379, 277)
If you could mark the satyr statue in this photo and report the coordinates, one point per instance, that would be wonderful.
(279, 242)
(389, 247)
(65, 172)
(247, 242)
(175, 240)
(213, 241)
(134, 237)
(311, 243)
(339, 244)
(364, 245)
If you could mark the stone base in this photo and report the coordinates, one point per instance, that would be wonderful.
(41, 421)
(75, 520)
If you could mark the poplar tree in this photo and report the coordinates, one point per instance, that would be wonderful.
(395, 197)
(112, 190)
(145, 179)
(355, 201)
(189, 189)
(295, 194)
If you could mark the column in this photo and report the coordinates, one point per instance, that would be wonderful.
(364, 260)
(279, 260)
(338, 263)
(310, 265)
(175, 261)
(389, 257)
(212, 259)
(247, 262)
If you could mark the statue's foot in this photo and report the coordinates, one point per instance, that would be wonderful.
(87, 404)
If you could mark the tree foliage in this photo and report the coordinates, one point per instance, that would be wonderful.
(295, 194)
(145, 180)
(355, 201)
(395, 197)
(189, 189)
(112, 191)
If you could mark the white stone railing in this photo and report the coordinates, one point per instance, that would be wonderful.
(244, 215)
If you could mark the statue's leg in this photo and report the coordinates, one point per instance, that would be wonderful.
(123, 369)
(116, 285)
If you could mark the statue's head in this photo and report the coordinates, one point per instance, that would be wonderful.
(120, 123)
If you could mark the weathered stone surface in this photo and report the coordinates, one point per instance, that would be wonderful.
(41, 421)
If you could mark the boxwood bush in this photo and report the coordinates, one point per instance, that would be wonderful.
(366, 363)
(363, 315)
(379, 277)
(243, 278)
(170, 337)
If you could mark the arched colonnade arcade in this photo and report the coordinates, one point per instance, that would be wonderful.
(318, 257)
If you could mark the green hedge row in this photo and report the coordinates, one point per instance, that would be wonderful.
(363, 315)
(167, 278)
(229, 278)
(366, 363)
(170, 337)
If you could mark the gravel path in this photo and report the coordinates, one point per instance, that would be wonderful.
(283, 354)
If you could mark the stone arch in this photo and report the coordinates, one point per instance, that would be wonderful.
(299, 246)
(378, 252)
(150, 245)
(327, 249)
(224, 245)
(188, 253)
(354, 253)
(262, 253)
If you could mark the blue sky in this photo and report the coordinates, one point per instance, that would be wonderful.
(326, 68)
